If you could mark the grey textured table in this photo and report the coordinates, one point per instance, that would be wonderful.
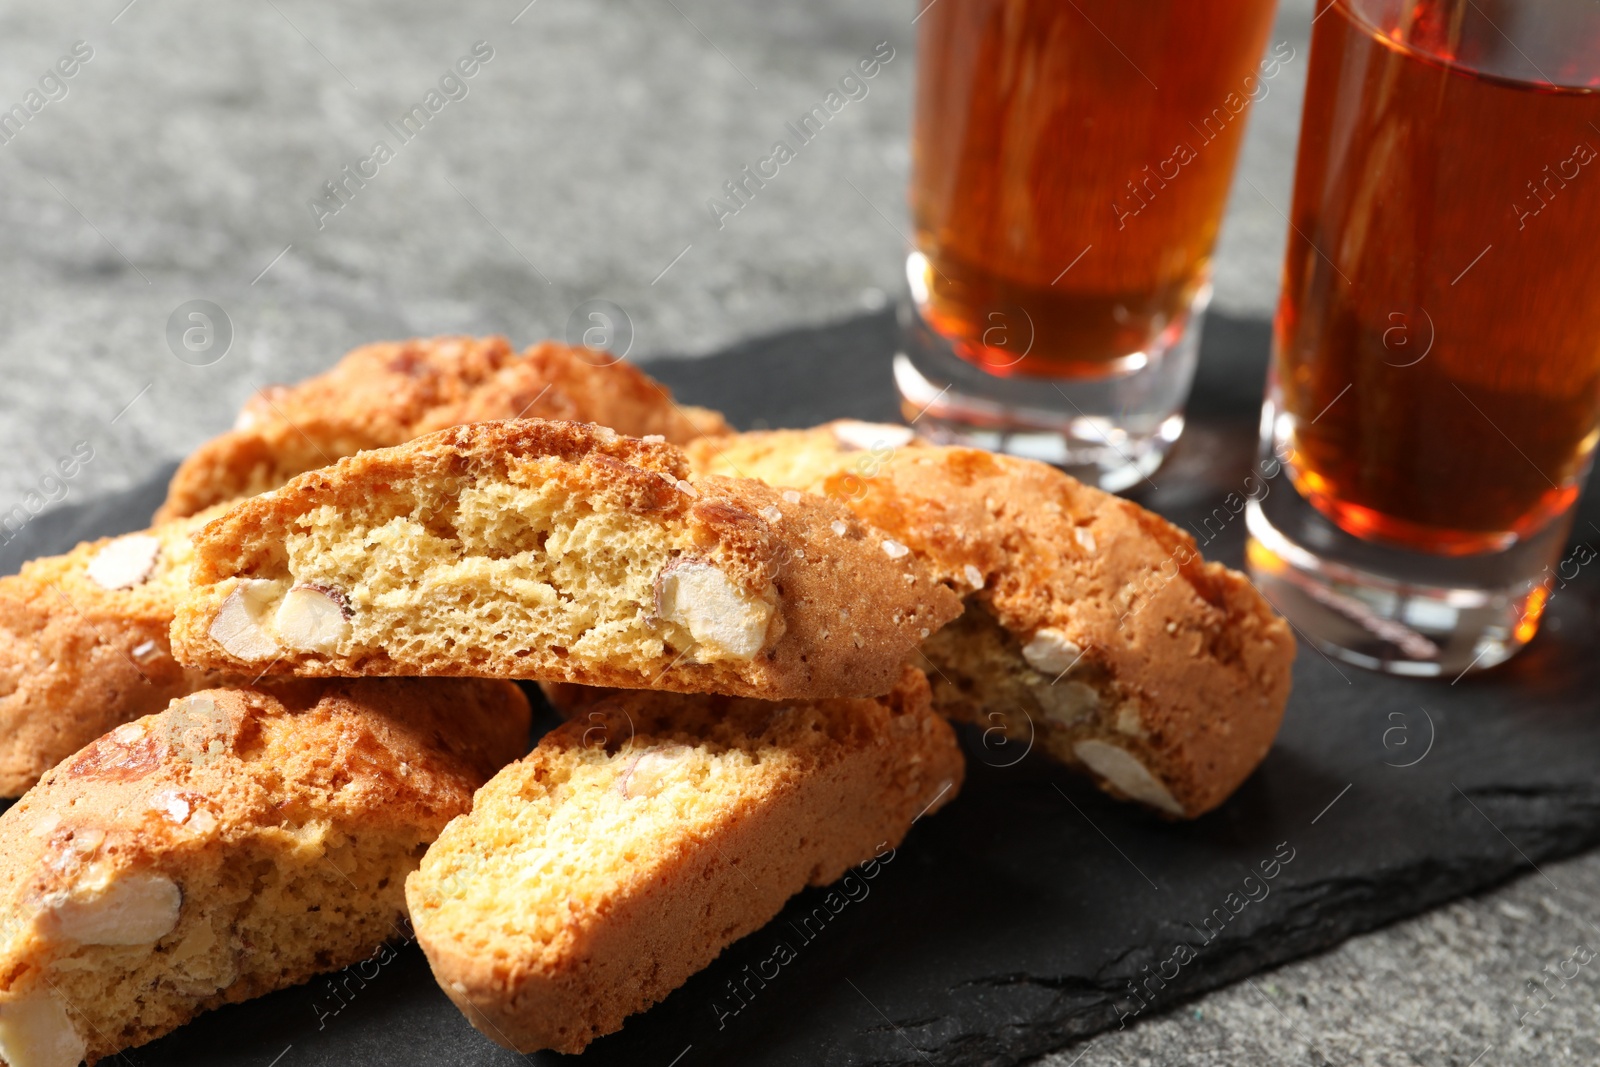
(180, 164)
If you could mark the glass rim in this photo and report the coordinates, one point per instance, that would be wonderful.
(1453, 66)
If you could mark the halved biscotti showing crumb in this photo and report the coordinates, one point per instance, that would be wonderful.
(238, 842)
(558, 552)
(638, 841)
(84, 644)
(1093, 628)
(386, 394)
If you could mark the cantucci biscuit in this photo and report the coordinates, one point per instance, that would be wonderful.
(639, 840)
(238, 842)
(385, 394)
(84, 645)
(558, 552)
(1093, 628)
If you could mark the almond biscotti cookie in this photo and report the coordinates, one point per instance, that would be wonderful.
(1093, 628)
(84, 645)
(386, 394)
(637, 842)
(555, 551)
(238, 842)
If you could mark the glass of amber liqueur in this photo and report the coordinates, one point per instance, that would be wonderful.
(1070, 167)
(1432, 406)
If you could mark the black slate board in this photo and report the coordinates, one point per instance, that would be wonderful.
(1017, 918)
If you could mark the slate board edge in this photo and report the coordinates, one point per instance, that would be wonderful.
(1313, 927)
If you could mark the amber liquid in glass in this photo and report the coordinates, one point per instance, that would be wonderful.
(1438, 339)
(1070, 164)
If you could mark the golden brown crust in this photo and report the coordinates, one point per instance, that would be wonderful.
(389, 393)
(1191, 664)
(78, 658)
(822, 787)
(844, 614)
(318, 796)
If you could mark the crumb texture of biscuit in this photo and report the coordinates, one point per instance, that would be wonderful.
(1093, 627)
(638, 841)
(84, 645)
(556, 552)
(241, 841)
(386, 394)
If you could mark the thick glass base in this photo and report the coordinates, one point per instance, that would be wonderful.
(1111, 431)
(1392, 609)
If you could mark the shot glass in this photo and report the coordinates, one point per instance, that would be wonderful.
(1434, 397)
(1070, 166)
